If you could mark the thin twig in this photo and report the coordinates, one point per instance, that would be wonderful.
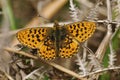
(102, 70)
(9, 33)
(85, 52)
(6, 74)
(87, 3)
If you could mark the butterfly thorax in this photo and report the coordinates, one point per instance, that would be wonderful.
(57, 36)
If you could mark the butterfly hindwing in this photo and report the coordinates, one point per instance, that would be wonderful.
(69, 47)
(81, 30)
(47, 49)
(33, 37)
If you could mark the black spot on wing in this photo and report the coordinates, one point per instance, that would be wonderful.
(38, 40)
(37, 35)
(32, 35)
(30, 31)
(35, 31)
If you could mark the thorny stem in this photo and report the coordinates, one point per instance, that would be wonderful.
(109, 27)
(81, 64)
(74, 13)
(109, 13)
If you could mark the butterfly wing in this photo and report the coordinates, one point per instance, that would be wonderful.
(33, 37)
(81, 30)
(69, 47)
(47, 49)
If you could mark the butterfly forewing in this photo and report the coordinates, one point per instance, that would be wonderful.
(81, 30)
(33, 37)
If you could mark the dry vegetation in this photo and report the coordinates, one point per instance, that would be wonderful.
(98, 58)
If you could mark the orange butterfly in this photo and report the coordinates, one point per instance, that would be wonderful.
(59, 40)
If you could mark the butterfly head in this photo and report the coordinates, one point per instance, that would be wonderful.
(56, 25)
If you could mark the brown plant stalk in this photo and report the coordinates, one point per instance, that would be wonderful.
(49, 63)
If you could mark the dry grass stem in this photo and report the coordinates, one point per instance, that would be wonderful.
(102, 70)
(103, 46)
(50, 63)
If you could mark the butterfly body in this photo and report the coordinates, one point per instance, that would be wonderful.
(57, 41)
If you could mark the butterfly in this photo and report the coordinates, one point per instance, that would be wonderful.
(62, 41)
